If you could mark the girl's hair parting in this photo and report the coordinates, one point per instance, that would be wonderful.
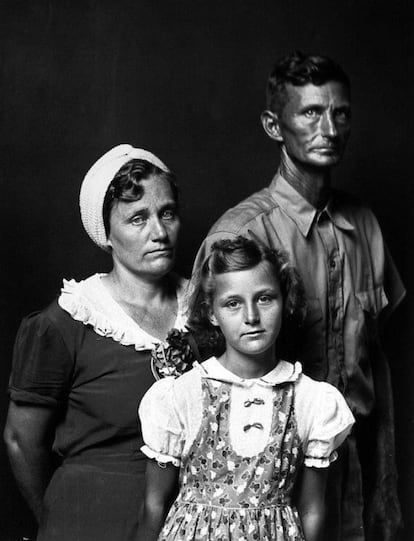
(237, 254)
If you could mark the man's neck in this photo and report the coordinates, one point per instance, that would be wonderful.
(312, 184)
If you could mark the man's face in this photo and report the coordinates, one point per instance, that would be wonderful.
(315, 123)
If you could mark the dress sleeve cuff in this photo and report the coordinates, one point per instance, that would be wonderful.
(320, 462)
(160, 458)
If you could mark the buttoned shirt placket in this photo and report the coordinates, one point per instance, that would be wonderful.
(335, 301)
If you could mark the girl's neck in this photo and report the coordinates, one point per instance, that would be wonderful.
(249, 367)
(312, 184)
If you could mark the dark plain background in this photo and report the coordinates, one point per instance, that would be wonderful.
(185, 79)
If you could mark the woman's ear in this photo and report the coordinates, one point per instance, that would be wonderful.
(271, 125)
(213, 319)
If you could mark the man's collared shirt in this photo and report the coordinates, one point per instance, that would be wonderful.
(348, 275)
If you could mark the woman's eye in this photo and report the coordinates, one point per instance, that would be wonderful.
(138, 220)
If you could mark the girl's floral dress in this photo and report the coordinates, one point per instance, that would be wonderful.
(226, 492)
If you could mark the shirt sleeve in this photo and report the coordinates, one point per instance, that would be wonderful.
(162, 429)
(42, 365)
(330, 424)
(393, 285)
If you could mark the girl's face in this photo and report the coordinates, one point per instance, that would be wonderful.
(248, 309)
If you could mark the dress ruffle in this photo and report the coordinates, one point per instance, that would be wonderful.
(89, 302)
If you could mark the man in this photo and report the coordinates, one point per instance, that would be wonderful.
(350, 282)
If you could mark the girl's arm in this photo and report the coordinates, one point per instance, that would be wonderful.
(161, 486)
(311, 503)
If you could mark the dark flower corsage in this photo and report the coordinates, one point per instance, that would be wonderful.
(174, 356)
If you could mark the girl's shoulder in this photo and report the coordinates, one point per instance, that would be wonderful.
(175, 392)
(320, 406)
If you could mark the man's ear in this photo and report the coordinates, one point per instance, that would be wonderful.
(271, 125)
(213, 319)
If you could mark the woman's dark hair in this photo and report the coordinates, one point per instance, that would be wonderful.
(237, 254)
(126, 185)
(299, 69)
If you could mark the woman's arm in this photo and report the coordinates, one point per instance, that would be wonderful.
(311, 504)
(161, 486)
(28, 436)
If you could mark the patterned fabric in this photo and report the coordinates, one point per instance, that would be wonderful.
(225, 496)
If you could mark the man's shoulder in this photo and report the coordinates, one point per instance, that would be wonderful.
(352, 207)
(237, 217)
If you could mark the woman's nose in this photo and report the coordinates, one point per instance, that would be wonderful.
(158, 230)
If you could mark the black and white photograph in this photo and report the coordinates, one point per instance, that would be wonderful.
(207, 311)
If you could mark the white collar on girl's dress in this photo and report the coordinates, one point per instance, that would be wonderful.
(283, 372)
(90, 302)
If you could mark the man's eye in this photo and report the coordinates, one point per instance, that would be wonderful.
(310, 113)
(168, 214)
(343, 116)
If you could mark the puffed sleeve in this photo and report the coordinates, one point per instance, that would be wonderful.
(330, 423)
(162, 429)
(42, 365)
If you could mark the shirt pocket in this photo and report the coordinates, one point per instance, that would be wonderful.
(372, 301)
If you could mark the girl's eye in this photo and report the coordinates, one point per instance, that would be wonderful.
(233, 304)
(265, 299)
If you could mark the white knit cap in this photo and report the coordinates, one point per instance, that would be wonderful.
(96, 183)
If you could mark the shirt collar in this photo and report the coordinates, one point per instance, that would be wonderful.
(283, 372)
(300, 210)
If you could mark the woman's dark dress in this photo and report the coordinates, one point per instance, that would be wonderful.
(95, 384)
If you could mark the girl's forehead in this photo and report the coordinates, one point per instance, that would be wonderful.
(261, 276)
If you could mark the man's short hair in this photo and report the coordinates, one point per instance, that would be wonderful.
(300, 69)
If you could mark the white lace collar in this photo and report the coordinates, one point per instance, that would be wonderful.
(90, 302)
(283, 372)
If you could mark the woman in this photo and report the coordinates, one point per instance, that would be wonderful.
(81, 364)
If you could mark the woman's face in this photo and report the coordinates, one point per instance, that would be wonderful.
(143, 234)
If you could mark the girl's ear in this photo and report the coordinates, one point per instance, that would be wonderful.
(213, 319)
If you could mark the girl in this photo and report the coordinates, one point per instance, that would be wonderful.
(231, 435)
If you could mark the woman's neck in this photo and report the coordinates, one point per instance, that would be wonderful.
(249, 366)
(128, 287)
(152, 304)
(312, 184)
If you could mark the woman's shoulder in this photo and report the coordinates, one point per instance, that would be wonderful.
(52, 319)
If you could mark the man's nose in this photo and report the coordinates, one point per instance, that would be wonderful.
(328, 125)
(251, 314)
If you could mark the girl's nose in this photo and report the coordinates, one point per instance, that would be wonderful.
(251, 314)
